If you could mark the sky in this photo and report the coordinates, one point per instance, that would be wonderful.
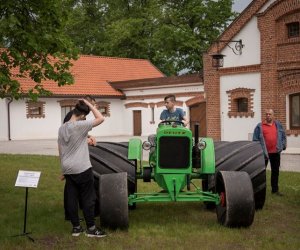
(240, 5)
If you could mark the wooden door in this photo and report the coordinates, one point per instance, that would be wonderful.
(198, 115)
(137, 123)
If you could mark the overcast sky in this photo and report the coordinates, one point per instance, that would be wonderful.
(240, 5)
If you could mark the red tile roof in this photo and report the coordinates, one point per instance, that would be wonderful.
(92, 74)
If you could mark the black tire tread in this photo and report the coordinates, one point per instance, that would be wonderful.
(243, 156)
(111, 157)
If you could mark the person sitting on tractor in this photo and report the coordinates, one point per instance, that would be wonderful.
(172, 113)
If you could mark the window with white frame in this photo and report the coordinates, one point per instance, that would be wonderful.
(66, 106)
(295, 111)
(65, 110)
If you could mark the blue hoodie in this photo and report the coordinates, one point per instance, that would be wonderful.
(281, 137)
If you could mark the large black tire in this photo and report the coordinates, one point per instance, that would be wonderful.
(236, 208)
(242, 156)
(111, 157)
(113, 201)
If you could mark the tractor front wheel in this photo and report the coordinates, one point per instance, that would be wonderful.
(243, 156)
(236, 208)
(113, 200)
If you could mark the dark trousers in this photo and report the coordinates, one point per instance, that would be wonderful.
(81, 187)
(67, 214)
(275, 164)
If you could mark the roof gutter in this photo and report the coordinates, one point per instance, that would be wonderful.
(8, 116)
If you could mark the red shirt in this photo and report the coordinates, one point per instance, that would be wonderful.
(270, 136)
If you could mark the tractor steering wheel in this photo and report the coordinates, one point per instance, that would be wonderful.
(170, 122)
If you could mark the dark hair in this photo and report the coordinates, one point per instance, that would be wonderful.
(171, 97)
(68, 116)
(81, 109)
(89, 98)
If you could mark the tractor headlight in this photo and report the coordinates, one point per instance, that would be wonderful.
(146, 145)
(201, 145)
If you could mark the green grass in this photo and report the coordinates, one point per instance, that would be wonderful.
(152, 225)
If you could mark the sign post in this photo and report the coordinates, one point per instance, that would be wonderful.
(27, 179)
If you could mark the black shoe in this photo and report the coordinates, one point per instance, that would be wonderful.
(95, 233)
(77, 231)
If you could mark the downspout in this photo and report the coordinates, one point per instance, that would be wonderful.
(8, 116)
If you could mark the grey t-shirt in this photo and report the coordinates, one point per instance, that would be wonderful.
(74, 152)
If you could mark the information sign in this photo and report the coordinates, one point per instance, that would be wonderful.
(28, 179)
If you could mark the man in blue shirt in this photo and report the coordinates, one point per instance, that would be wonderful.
(172, 113)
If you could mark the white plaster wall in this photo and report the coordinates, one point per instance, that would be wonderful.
(3, 120)
(266, 6)
(115, 124)
(250, 36)
(23, 128)
(233, 129)
(35, 128)
(120, 121)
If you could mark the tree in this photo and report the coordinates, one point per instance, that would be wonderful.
(34, 45)
(171, 34)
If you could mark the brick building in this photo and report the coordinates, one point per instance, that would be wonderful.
(261, 70)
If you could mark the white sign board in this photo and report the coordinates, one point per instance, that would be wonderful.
(28, 179)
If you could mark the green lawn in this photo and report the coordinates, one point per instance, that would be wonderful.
(152, 225)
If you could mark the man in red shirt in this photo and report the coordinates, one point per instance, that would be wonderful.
(272, 138)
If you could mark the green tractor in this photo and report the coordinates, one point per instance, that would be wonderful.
(233, 175)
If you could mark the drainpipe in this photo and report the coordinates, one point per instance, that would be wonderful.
(8, 116)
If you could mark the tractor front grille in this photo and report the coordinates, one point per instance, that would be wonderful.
(174, 152)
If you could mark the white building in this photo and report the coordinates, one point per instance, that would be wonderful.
(129, 92)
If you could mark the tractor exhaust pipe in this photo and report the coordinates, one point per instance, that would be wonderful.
(196, 151)
(196, 133)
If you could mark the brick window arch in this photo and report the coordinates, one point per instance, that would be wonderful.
(290, 83)
(136, 104)
(35, 109)
(240, 101)
(104, 108)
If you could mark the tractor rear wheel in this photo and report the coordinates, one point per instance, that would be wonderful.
(111, 157)
(236, 208)
(242, 156)
(113, 201)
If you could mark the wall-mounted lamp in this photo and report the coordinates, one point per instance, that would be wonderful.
(218, 58)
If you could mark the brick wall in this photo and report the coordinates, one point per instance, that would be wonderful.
(280, 56)
(211, 76)
(280, 61)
